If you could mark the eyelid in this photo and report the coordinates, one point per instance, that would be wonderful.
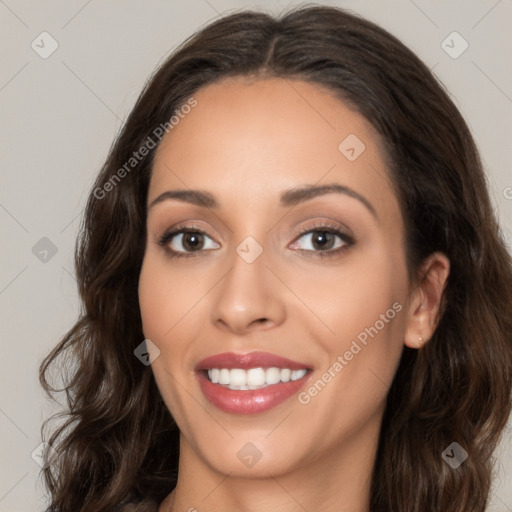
(326, 225)
(185, 227)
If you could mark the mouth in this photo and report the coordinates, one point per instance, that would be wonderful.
(250, 383)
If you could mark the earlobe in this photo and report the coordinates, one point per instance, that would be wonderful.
(426, 301)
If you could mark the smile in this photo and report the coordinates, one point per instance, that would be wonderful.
(250, 383)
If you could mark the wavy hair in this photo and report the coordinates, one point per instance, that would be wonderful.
(117, 445)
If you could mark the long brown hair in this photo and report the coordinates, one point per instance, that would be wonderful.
(118, 444)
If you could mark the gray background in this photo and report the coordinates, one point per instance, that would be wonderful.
(61, 114)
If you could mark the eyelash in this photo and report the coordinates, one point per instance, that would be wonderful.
(323, 228)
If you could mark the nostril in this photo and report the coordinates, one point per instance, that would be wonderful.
(262, 321)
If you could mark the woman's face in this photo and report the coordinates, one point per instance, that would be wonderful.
(298, 254)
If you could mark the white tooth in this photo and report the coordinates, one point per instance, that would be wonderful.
(224, 376)
(256, 377)
(272, 375)
(298, 374)
(286, 373)
(237, 377)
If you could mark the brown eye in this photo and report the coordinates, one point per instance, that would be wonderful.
(192, 241)
(185, 241)
(323, 240)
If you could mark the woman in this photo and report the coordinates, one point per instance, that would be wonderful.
(295, 294)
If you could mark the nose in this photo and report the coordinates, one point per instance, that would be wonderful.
(248, 298)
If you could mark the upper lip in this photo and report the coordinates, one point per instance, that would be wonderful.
(248, 360)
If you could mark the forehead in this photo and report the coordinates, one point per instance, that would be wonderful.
(248, 140)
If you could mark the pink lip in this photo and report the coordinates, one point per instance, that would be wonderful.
(250, 360)
(250, 401)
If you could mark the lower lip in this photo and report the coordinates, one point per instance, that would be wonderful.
(251, 401)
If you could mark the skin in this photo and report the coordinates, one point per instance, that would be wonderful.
(246, 142)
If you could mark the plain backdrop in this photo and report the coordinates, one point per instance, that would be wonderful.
(60, 112)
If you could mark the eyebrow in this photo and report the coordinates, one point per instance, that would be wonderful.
(288, 198)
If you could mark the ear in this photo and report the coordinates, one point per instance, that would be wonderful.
(425, 300)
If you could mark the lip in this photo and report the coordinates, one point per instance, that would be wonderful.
(253, 401)
(231, 360)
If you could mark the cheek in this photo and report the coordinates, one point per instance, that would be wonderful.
(152, 300)
(163, 304)
(166, 296)
(355, 295)
(361, 357)
(365, 308)
(369, 338)
(171, 300)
